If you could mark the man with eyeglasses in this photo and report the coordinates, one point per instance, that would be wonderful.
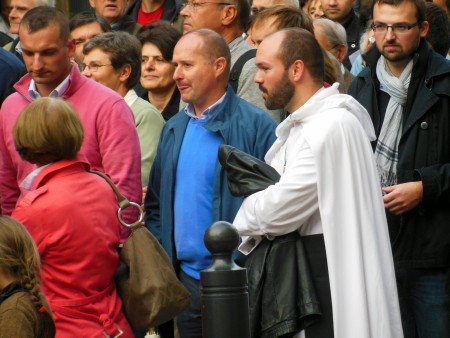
(230, 18)
(111, 143)
(406, 90)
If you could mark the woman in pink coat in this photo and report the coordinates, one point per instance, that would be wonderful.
(72, 216)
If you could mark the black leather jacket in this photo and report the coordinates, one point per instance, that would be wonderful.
(281, 290)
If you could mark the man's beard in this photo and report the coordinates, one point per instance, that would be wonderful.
(395, 57)
(281, 93)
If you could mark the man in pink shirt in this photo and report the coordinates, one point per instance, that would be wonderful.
(111, 143)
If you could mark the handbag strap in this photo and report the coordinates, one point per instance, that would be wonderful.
(123, 202)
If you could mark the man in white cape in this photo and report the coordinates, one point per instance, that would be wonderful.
(328, 185)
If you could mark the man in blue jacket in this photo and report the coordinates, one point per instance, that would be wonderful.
(406, 90)
(188, 189)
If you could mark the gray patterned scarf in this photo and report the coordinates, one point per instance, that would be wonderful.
(386, 151)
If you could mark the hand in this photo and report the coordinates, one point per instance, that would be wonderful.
(401, 198)
(144, 192)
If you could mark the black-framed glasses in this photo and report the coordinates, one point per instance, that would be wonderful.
(381, 28)
(194, 5)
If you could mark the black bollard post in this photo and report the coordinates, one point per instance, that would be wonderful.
(225, 309)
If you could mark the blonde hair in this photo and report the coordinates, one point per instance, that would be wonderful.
(19, 258)
(48, 130)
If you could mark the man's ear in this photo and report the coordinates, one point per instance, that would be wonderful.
(125, 73)
(71, 46)
(228, 15)
(296, 70)
(424, 27)
(220, 65)
(342, 51)
(92, 3)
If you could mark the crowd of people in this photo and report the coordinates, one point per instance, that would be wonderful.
(348, 100)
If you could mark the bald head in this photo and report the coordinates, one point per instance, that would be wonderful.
(201, 59)
(213, 46)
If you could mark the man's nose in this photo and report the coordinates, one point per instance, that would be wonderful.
(390, 34)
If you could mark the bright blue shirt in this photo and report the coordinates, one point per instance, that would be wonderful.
(193, 196)
(194, 190)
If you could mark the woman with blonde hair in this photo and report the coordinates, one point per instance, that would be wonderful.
(24, 312)
(72, 216)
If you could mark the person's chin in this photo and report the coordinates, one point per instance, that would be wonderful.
(14, 28)
(187, 28)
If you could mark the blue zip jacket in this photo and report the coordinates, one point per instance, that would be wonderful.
(241, 125)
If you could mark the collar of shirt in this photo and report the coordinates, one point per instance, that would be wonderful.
(19, 48)
(57, 92)
(207, 113)
(28, 181)
(130, 97)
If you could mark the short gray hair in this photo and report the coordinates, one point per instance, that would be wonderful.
(50, 3)
(123, 49)
(333, 31)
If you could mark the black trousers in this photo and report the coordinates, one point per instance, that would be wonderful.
(315, 251)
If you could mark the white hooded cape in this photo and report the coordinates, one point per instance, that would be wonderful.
(362, 279)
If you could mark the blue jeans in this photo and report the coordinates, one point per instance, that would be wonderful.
(424, 303)
(189, 322)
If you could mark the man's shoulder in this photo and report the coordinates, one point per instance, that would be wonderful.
(246, 112)
(14, 103)
(238, 50)
(244, 105)
(9, 61)
(364, 78)
(336, 126)
(91, 92)
(178, 120)
(437, 67)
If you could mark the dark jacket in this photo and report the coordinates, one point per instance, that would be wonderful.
(11, 47)
(282, 297)
(127, 24)
(241, 125)
(421, 237)
(171, 12)
(4, 39)
(10, 69)
(353, 29)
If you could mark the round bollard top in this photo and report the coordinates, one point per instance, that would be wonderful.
(221, 238)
